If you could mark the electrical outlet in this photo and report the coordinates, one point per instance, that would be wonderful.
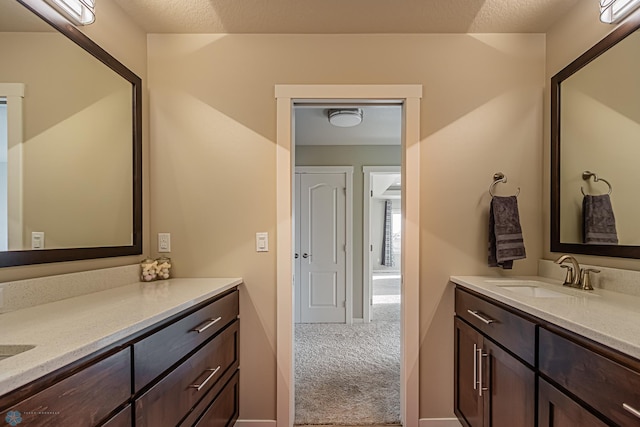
(164, 242)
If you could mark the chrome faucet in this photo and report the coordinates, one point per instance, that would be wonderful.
(576, 277)
(573, 274)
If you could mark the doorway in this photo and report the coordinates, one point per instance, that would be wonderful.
(409, 96)
(11, 159)
(382, 235)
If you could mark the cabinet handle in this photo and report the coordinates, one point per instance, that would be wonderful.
(477, 315)
(631, 410)
(210, 323)
(481, 354)
(198, 387)
(475, 366)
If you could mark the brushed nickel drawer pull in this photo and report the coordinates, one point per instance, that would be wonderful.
(481, 388)
(475, 366)
(631, 410)
(198, 387)
(210, 323)
(477, 315)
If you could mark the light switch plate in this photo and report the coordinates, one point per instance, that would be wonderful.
(37, 240)
(262, 242)
(164, 242)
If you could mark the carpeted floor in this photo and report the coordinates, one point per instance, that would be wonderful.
(350, 375)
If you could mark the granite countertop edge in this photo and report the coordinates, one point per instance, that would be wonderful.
(68, 330)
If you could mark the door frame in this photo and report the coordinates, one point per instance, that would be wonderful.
(14, 93)
(367, 293)
(409, 96)
(348, 280)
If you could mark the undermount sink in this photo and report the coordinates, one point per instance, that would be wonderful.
(533, 291)
(6, 351)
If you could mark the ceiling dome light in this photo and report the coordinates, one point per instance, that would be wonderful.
(345, 117)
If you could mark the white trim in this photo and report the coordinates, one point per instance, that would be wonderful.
(12, 89)
(348, 172)
(324, 169)
(255, 423)
(349, 92)
(285, 383)
(14, 92)
(366, 234)
(410, 94)
(439, 422)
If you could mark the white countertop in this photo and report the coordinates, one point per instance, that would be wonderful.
(67, 330)
(610, 318)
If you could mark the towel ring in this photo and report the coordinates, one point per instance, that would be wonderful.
(497, 178)
(588, 174)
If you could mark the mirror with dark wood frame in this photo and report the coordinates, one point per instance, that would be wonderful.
(71, 165)
(595, 127)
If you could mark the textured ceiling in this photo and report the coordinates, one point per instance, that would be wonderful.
(345, 16)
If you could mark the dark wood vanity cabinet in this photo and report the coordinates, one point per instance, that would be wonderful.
(180, 372)
(85, 397)
(510, 354)
(492, 387)
(599, 378)
(556, 409)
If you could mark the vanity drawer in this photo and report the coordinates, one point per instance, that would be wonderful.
(224, 409)
(600, 382)
(510, 330)
(83, 399)
(167, 402)
(121, 419)
(158, 352)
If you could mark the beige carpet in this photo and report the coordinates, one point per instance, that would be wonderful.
(350, 375)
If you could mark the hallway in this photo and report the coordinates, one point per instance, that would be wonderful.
(350, 374)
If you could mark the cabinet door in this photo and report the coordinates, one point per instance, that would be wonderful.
(468, 402)
(556, 409)
(510, 398)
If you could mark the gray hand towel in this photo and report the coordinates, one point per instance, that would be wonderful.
(505, 235)
(599, 223)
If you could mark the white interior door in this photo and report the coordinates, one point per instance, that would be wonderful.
(322, 248)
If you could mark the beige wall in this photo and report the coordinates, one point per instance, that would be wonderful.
(77, 186)
(570, 37)
(123, 39)
(356, 156)
(213, 165)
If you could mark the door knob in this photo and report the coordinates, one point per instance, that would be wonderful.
(305, 255)
(296, 256)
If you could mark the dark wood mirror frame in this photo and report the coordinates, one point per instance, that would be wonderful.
(629, 26)
(26, 257)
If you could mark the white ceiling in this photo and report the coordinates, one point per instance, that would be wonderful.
(345, 16)
(381, 125)
(386, 185)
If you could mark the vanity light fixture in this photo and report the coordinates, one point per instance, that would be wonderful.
(78, 12)
(345, 117)
(612, 11)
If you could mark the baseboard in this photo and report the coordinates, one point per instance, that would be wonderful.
(255, 423)
(357, 320)
(439, 422)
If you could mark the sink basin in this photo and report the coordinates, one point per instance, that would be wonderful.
(6, 351)
(533, 291)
